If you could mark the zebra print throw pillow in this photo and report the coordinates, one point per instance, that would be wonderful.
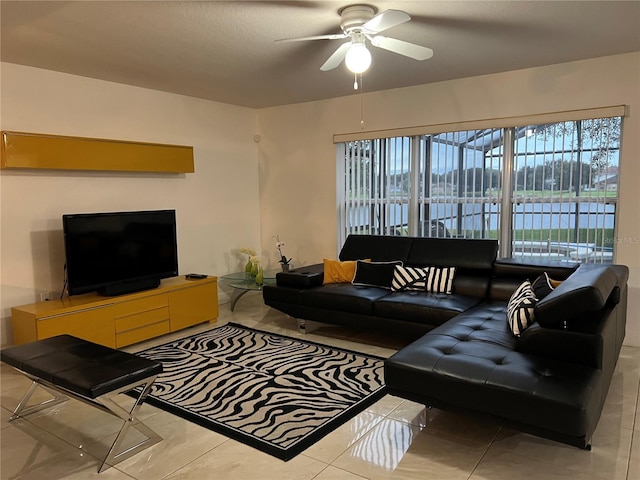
(440, 279)
(409, 278)
(520, 308)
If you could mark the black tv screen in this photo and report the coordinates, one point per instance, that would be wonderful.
(119, 252)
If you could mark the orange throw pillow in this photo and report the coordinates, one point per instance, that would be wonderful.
(555, 283)
(336, 271)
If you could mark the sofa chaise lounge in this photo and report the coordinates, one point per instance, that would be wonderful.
(549, 378)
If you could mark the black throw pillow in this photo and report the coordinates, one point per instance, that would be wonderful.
(374, 274)
(541, 286)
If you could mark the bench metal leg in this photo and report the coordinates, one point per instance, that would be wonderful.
(23, 409)
(115, 455)
(107, 404)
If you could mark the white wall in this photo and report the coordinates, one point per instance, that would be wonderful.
(297, 157)
(217, 206)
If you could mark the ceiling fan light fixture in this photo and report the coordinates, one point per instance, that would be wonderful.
(358, 58)
(360, 23)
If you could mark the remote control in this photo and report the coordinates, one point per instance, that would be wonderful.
(195, 276)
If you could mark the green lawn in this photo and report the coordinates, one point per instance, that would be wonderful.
(551, 193)
(598, 237)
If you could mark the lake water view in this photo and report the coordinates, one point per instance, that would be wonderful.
(530, 219)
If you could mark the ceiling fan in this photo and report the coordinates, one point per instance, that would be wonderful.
(360, 23)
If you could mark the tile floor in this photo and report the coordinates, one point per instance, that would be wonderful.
(394, 438)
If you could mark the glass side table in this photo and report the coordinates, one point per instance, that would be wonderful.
(241, 282)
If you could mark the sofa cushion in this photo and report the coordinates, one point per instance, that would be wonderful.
(273, 293)
(343, 296)
(379, 248)
(423, 307)
(470, 363)
(482, 323)
(520, 308)
(374, 274)
(446, 371)
(453, 252)
(472, 258)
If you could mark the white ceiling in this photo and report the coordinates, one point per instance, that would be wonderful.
(226, 51)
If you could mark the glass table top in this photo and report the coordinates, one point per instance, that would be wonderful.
(244, 281)
(268, 274)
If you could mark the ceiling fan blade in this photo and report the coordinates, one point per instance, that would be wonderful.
(336, 57)
(334, 36)
(385, 20)
(417, 52)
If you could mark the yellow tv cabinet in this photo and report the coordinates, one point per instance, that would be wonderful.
(120, 321)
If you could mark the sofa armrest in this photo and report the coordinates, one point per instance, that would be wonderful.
(578, 298)
(563, 345)
(572, 333)
(303, 277)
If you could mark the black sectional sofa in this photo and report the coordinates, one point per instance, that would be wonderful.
(550, 381)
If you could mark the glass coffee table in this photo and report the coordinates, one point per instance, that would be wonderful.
(241, 282)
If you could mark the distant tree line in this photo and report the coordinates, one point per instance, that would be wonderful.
(600, 136)
(552, 174)
(558, 175)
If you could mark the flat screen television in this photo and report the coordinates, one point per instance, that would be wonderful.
(119, 252)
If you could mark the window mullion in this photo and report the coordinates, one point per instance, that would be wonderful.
(506, 208)
(414, 185)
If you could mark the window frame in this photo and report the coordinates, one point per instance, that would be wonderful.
(419, 141)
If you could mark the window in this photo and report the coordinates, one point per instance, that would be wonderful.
(376, 175)
(546, 190)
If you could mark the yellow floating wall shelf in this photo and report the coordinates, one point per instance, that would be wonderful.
(52, 152)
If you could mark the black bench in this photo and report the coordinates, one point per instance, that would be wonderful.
(67, 366)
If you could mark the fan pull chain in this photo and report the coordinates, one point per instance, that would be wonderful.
(361, 103)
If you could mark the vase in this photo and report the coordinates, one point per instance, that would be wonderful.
(254, 269)
(260, 277)
(285, 267)
(247, 268)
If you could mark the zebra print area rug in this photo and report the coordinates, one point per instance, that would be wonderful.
(275, 393)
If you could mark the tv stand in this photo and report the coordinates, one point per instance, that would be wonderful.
(121, 320)
(129, 287)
